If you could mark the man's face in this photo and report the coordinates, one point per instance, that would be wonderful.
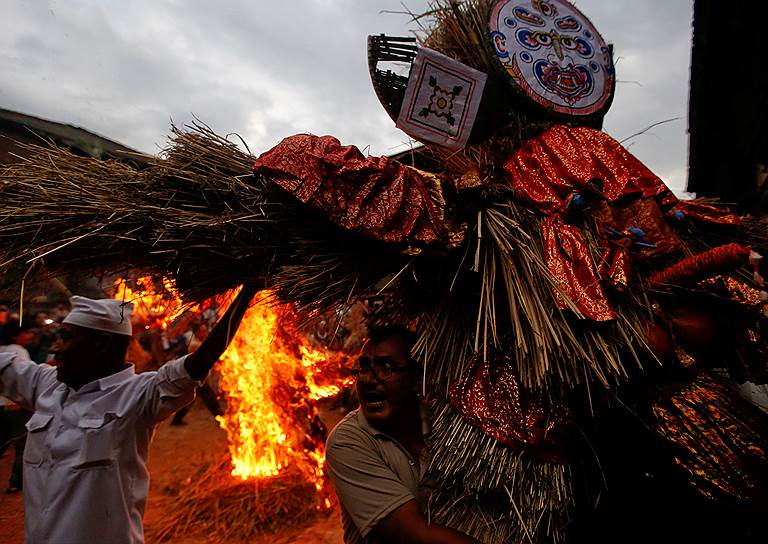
(388, 390)
(76, 353)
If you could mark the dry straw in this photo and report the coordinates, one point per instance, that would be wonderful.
(216, 507)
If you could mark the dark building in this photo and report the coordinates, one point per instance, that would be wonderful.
(729, 94)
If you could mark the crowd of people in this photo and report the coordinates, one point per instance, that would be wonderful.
(30, 338)
(36, 331)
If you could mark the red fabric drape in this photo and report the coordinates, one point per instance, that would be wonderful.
(375, 196)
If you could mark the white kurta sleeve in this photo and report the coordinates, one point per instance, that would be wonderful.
(170, 388)
(21, 380)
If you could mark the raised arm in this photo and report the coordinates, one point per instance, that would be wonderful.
(199, 363)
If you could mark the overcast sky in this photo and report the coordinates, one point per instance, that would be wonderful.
(268, 69)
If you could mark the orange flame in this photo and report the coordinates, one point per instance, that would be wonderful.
(272, 379)
(153, 306)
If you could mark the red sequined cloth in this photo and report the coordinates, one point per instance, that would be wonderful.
(706, 212)
(564, 161)
(375, 196)
(489, 397)
(643, 213)
(720, 440)
(547, 169)
(619, 254)
(569, 262)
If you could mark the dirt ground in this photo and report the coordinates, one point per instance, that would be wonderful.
(175, 455)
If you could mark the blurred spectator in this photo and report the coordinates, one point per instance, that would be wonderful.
(60, 312)
(205, 392)
(12, 416)
(211, 313)
(27, 336)
(45, 330)
(4, 314)
(199, 333)
(9, 339)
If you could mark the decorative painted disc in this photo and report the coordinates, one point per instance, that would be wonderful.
(553, 54)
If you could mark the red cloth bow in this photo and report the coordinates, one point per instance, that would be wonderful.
(375, 196)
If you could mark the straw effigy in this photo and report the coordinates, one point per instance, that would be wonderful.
(201, 217)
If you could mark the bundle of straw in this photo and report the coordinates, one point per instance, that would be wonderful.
(494, 493)
(172, 219)
(504, 301)
(219, 508)
(197, 215)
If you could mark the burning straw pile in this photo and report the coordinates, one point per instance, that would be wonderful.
(273, 477)
(214, 503)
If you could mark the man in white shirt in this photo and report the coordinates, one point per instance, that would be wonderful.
(85, 473)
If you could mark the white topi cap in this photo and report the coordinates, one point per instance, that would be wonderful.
(103, 315)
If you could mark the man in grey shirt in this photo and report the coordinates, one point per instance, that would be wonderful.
(375, 455)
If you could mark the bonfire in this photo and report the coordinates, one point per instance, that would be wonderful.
(273, 475)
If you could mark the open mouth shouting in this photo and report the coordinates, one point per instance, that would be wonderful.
(373, 400)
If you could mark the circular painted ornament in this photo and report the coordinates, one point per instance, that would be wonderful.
(554, 55)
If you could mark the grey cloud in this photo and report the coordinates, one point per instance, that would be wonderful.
(269, 69)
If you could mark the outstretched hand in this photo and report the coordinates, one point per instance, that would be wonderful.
(199, 363)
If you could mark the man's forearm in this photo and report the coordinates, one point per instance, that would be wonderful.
(407, 525)
(444, 535)
(199, 363)
(433, 535)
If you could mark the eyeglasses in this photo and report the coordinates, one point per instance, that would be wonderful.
(381, 369)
